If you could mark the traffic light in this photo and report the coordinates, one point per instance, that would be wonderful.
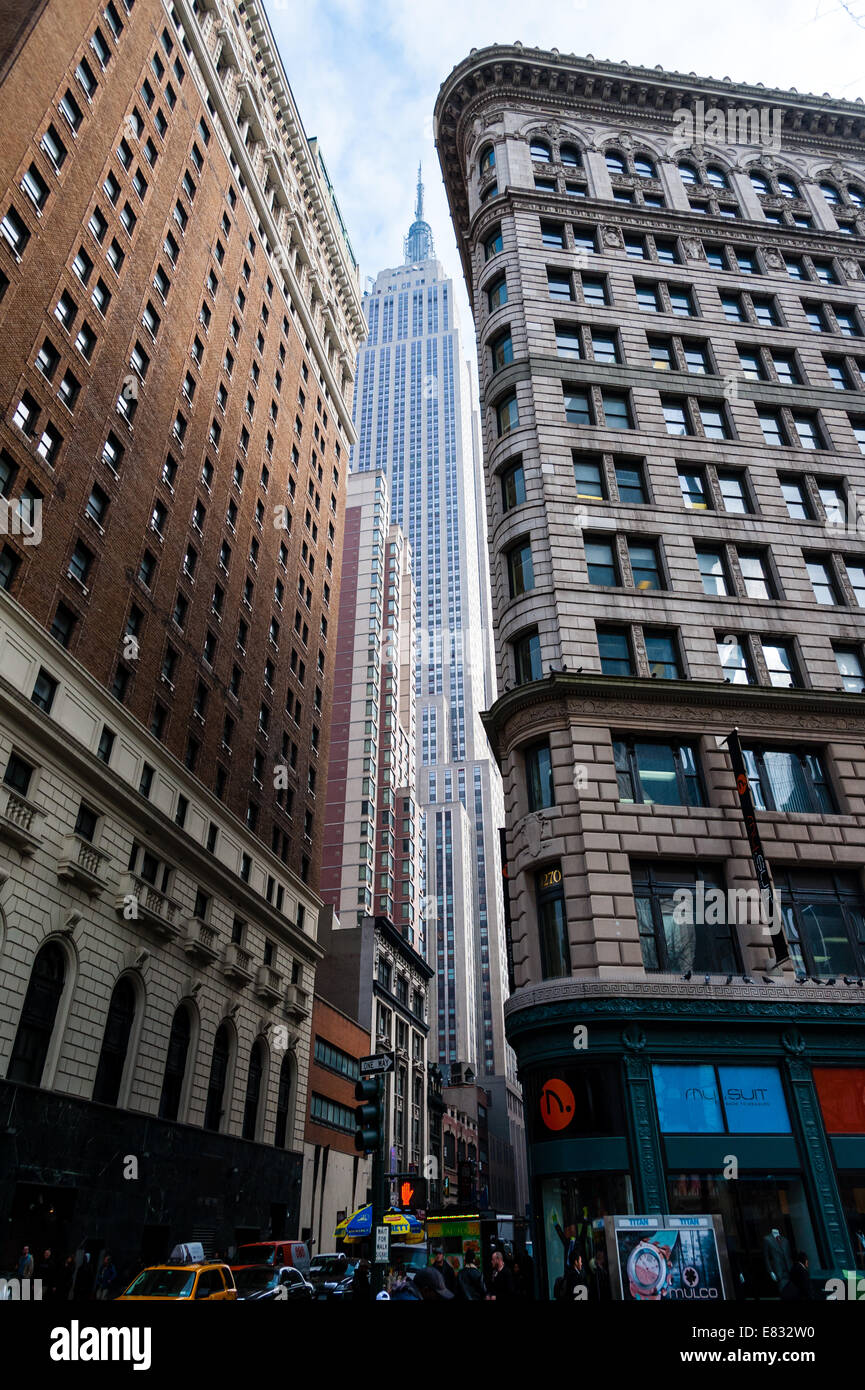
(368, 1116)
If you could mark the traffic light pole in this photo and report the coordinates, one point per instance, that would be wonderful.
(379, 1195)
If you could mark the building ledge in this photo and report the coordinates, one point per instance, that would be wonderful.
(138, 901)
(20, 821)
(80, 862)
(237, 964)
(268, 984)
(296, 1003)
(201, 941)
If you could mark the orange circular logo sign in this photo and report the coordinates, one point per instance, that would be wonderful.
(557, 1104)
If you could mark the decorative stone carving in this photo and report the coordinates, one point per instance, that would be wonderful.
(793, 1042)
(612, 237)
(537, 828)
(634, 1038)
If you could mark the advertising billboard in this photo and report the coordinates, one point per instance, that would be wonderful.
(667, 1259)
(705, 1099)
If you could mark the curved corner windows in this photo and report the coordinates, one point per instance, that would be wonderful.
(513, 486)
(502, 351)
(507, 415)
(539, 776)
(493, 244)
(487, 161)
(521, 574)
(527, 658)
(552, 923)
(497, 295)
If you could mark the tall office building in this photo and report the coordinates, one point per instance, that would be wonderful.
(180, 313)
(413, 415)
(667, 281)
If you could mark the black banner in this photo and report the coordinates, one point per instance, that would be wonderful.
(761, 867)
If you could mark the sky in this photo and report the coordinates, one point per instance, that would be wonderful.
(365, 75)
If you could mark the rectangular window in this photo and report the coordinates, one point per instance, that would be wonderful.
(788, 780)
(780, 662)
(521, 577)
(577, 407)
(734, 659)
(630, 482)
(662, 655)
(589, 475)
(755, 573)
(601, 562)
(713, 572)
(614, 648)
(617, 410)
(568, 341)
(645, 564)
(657, 773)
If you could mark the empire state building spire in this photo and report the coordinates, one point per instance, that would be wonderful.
(418, 244)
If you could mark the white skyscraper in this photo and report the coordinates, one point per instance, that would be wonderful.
(414, 410)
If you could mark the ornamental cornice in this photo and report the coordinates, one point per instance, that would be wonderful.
(709, 704)
(669, 999)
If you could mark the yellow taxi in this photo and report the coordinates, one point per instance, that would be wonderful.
(161, 1283)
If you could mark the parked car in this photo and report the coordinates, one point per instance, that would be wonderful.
(328, 1271)
(182, 1282)
(292, 1254)
(261, 1283)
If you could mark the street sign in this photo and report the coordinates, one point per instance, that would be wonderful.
(382, 1245)
(376, 1065)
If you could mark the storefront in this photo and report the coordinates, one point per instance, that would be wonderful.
(747, 1109)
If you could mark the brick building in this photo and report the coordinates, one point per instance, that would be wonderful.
(180, 313)
(336, 1177)
(670, 323)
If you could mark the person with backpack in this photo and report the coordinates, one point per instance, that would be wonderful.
(470, 1281)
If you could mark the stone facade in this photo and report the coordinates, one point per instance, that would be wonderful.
(668, 331)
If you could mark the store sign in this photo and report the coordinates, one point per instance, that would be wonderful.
(753, 1100)
(841, 1092)
(694, 1100)
(550, 878)
(557, 1104)
(666, 1259)
(688, 1100)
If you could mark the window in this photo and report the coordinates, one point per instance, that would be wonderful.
(71, 111)
(667, 942)
(47, 359)
(527, 658)
(657, 773)
(559, 285)
(521, 576)
(605, 347)
(849, 662)
(714, 421)
(645, 565)
(734, 493)
(497, 295)
(502, 351)
(822, 580)
(629, 480)
(540, 151)
(493, 244)
(614, 649)
(601, 561)
(552, 924)
(38, 1015)
(53, 147)
(755, 573)
(18, 774)
(44, 690)
(577, 408)
(507, 415)
(856, 575)
(595, 291)
(568, 341)
(648, 298)
(662, 655)
(788, 780)
(682, 302)
(617, 410)
(35, 187)
(713, 572)
(796, 497)
(824, 922)
(676, 416)
(540, 792)
(589, 475)
(735, 661)
(780, 662)
(513, 486)
(552, 234)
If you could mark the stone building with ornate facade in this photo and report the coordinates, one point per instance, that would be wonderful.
(666, 276)
(180, 313)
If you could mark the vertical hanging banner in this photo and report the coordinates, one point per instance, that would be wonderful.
(768, 896)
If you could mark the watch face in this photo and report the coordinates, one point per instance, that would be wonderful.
(647, 1269)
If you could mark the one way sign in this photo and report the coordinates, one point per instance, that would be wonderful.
(377, 1065)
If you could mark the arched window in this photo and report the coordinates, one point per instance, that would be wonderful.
(830, 193)
(570, 156)
(115, 1043)
(283, 1102)
(487, 160)
(644, 167)
(253, 1090)
(688, 173)
(788, 189)
(541, 151)
(175, 1064)
(38, 1015)
(218, 1076)
(716, 176)
(856, 196)
(760, 184)
(615, 163)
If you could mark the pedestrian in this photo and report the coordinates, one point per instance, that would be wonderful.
(82, 1289)
(25, 1264)
(105, 1278)
(431, 1285)
(46, 1271)
(65, 1280)
(503, 1280)
(599, 1282)
(576, 1277)
(445, 1270)
(361, 1285)
(470, 1281)
(401, 1288)
(798, 1286)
